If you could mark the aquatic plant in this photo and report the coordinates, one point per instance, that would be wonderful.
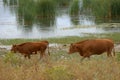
(115, 10)
(74, 11)
(63, 3)
(10, 2)
(103, 9)
(45, 8)
(26, 12)
(74, 8)
(45, 11)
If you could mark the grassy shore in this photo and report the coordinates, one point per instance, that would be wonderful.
(59, 65)
(64, 40)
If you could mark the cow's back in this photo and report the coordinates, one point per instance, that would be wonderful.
(97, 46)
(28, 47)
(37, 46)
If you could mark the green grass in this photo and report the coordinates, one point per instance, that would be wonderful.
(64, 40)
(114, 36)
(61, 40)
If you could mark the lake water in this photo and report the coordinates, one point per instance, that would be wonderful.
(63, 26)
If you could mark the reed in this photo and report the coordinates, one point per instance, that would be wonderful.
(45, 8)
(74, 8)
(10, 2)
(63, 3)
(26, 12)
(115, 10)
(105, 10)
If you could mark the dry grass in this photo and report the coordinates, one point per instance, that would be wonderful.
(59, 66)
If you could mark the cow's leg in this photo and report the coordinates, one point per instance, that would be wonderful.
(81, 54)
(35, 52)
(41, 55)
(44, 53)
(85, 57)
(109, 52)
(88, 57)
(28, 56)
(82, 58)
(25, 55)
(45, 57)
(87, 54)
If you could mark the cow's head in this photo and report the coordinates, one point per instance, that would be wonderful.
(14, 48)
(73, 48)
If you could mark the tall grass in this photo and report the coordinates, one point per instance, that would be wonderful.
(103, 9)
(63, 3)
(68, 67)
(75, 8)
(74, 11)
(10, 2)
(45, 8)
(115, 9)
(26, 12)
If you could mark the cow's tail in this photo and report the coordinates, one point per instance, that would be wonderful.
(48, 50)
(113, 51)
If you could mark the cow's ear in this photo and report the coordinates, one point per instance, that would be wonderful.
(14, 45)
(77, 47)
(71, 45)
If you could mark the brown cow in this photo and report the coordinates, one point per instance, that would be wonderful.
(88, 47)
(29, 48)
(47, 43)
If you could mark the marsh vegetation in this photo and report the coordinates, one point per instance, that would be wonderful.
(50, 18)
